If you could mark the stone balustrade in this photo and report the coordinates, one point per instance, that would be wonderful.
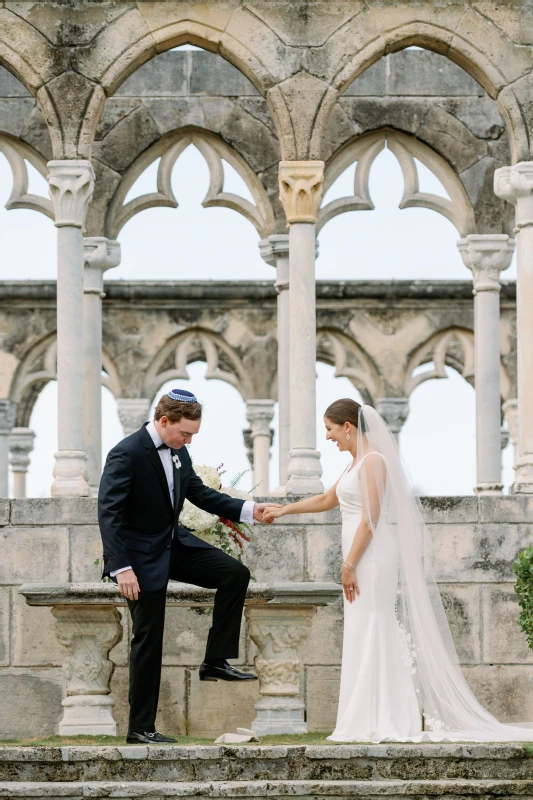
(88, 625)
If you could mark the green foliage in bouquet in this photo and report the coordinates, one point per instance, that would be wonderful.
(523, 569)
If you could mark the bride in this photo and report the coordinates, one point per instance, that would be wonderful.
(400, 678)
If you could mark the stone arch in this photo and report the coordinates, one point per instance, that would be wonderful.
(350, 361)
(26, 53)
(17, 153)
(197, 344)
(214, 150)
(469, 39)
(453, 347)
(366, 148)
(39, 367)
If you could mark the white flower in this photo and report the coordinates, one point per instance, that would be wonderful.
(208, 475)
(197, 520)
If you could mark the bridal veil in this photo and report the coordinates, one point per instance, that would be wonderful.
(449, 708)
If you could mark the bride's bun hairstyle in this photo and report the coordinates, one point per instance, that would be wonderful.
(176, 404)
(344, 410)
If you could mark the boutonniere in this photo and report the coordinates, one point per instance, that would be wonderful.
(176, 460)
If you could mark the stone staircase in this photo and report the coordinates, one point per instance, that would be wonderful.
(309, 772)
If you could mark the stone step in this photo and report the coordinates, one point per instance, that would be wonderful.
(305, 790)
(255, 763)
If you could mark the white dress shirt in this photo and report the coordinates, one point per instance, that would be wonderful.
(247, 512)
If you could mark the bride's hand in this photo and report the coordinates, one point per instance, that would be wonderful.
(349, 584)
(272, 513)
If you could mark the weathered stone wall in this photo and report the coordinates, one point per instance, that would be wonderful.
(374, 332)
(475, 541)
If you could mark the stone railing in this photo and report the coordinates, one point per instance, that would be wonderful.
(88, 624)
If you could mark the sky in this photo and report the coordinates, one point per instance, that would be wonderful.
(438, 439)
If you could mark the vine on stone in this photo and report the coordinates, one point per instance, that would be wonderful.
(523, 569)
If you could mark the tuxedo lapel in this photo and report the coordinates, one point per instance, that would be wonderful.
(153, 455)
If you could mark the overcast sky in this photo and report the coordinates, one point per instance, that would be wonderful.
(438, 440)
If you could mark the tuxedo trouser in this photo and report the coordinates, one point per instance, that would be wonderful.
(208, 567)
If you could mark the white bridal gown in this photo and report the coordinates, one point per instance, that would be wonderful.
(377, 695)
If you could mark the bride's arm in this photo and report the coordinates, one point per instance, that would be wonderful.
(311, 505)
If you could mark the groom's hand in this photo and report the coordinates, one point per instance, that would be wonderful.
(128, 584)
(260, 508)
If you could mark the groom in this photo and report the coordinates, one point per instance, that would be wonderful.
(145, 481)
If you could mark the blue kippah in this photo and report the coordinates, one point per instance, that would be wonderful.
(182, 395)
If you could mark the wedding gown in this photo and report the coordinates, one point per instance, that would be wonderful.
(377, 695)
(400, 675)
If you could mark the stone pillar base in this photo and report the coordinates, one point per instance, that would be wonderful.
(488, 488)
(279, 715)
(70, 474)
(91, 715)
(304, 472)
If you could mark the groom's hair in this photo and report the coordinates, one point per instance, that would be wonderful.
(174, 410)
(342, 411)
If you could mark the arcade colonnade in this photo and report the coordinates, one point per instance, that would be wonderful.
(82, 262)
(303, 66)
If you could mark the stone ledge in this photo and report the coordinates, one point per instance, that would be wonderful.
(5, 509)
(307, 790)
(55, 511)
(181, 594)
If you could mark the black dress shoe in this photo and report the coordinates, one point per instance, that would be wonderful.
(225, 673)
(148, 737)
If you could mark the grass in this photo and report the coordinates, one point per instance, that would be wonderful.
(62, 741)
(114, 741)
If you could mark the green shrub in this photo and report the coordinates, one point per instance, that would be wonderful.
(523, 569)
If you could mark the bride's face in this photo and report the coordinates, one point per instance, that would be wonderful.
(337, 433)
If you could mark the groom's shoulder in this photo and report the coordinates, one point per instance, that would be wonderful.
(127, 445)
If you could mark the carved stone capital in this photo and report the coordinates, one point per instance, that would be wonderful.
(259, 414)
(512, 183)
(71, 184)
(510, 411)
(88, 634)
(300, 187)
(394, 411)
(99, 255)
(20, 447)
(486, 255)
(133, 412)
(274, 247)
(8, 415)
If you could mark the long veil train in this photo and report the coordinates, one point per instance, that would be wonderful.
(450, 710)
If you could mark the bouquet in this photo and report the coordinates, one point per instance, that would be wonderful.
(221, 532)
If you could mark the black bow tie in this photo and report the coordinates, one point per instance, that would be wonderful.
(163, 447)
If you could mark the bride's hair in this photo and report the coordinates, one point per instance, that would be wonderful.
(342, 411)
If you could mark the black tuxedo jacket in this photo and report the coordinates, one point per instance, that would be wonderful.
(135, 512)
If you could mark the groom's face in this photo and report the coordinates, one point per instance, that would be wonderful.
(177, 434)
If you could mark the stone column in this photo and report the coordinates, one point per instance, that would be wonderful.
(100, 254)
(300, 193)
(510, 412)
(133, 413)
(486, 255)
(278, 631)
(71, 185)
(515, 184)
(88, 634)
(394, 411)
(275, 251)
(20, 447)
(259, 414)
(8, 414)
